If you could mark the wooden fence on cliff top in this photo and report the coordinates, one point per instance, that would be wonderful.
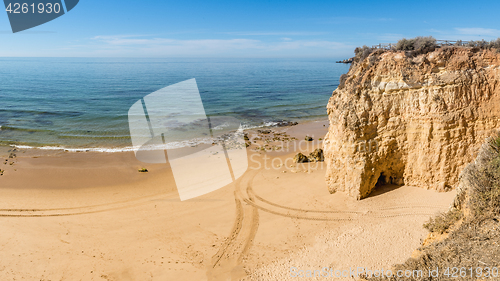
(388, 46)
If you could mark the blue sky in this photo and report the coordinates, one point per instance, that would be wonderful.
(164, 28)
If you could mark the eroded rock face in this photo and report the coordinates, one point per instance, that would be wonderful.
(415, 121)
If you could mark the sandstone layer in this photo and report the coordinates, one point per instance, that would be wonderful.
(413, 120)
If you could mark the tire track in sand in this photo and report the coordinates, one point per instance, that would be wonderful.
(334, 215)
(82, 210)
(227, 263)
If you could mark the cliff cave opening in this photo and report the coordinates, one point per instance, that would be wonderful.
(385, 183)
(381, 180)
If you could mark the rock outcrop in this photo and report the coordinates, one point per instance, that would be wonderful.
(316, 156)
(300, 158)
(411, 120)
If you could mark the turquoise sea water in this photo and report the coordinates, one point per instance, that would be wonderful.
(83, 102)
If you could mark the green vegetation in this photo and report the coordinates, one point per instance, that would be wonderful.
(484, 201)
(443, 222)
(471, 230)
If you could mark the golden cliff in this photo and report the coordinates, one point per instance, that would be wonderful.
(411, 120)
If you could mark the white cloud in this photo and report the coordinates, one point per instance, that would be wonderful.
(390, 37)
(466, 33)
(127, 40)
(261, 33)
(478, 31)
(350, 20)
(301, 44)
(132, 45)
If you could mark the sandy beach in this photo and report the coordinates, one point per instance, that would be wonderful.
(249, 141)
(93, 216)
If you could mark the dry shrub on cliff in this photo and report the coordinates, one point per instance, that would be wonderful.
(482, 44)
(495, 43)
(342, 80)
(475, 242)
(484, 199)
(443, 222)
(478, 44)
(417, 45)
(362, 52)
(405, 45)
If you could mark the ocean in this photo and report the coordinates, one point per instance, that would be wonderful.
(83, 103)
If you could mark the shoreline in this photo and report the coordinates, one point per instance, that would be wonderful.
(57, 169)
(46, 150)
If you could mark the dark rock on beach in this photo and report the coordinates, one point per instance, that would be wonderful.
(284, 123)
(300, 158)
(316, 156)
